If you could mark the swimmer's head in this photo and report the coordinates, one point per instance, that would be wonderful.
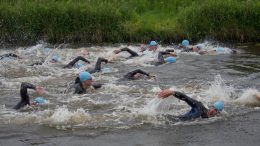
(215, 109)
(153, 45)
(84, 53)
(170, 59)
(85, 79)
(185, 43)
(138, 76)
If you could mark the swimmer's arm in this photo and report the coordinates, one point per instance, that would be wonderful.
(187, 50)
(98, 64)
(160, 56)
(74, 61)
(191, 102)
(25, 86)
(168, 92)
(140, 71)
(133, 53)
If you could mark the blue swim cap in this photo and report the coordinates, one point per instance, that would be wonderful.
(185, 43)
(220, 50)
(56, 58)
(46, 51)
(84, 76)
(170, 59)
(39, 100)
(219, 105)
(153, 43)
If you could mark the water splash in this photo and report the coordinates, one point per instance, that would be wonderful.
(219, 90)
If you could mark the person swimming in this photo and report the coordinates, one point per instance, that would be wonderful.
(137, 74)
(198, 110)
(25, 98)
(9, 55)
(162, 59)
(84, 84)
(153, 46)
(74, 61)
(131, 52)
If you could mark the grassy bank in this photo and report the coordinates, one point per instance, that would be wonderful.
(110, 21)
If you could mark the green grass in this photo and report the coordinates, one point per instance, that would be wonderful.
(112, 21)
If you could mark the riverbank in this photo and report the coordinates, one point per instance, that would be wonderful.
(25, 22)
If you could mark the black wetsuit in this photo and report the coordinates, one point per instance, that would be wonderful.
(79, 89)
(8, 55)
(96, 69)
(197, 108)
(187, 49)
(130, 75)
(131, 52)
(97, 66)
(74, 61)
(25, 99)
(161, 57)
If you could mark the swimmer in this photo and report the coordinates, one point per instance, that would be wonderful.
(137, 74)
(153, 46)
(9, 55)
(74, 61)
(84, 85)
(131, 52)
(198, 110)
(25, 98)
(163, 60)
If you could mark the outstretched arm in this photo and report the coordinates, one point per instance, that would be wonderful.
(139, 71)
(25, 99)
(166, 93)
(133, 53)
(74, 61)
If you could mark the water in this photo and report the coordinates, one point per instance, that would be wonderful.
(123, 105)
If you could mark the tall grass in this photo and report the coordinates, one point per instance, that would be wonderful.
(223, 20)
(97, 21)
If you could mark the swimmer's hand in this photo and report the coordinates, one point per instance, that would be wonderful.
(165, 93)
(39, 90)
(142, 49)
(173, 54)
(117, 51)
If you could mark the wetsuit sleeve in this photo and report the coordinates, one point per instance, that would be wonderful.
(161, 58)
(187, 50)
(191, 102)
(72, 63)
(8, 55)
(131, 74)
(169, 50)
(133, 53)
(25, 99)
(139, 71)
(96, 85)
(98, 65)
(37, 63)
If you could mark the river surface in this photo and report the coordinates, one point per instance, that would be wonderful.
(129, 112)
